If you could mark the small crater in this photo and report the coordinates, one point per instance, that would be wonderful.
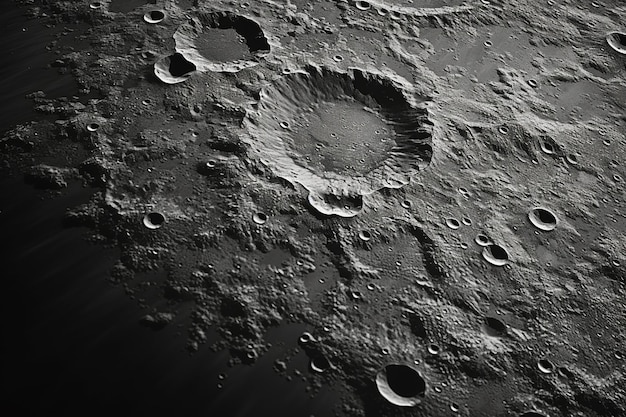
(547, 147)
(319, 363)
(154, 16)
(565, 373)
(572, 159)
(452, 223)
(174, 69)
(617, 42)
(92, 127)
(363, 5)
(395, 15)
(306, 338)
(259, 218)
(543, 218)
(545, 366)
(495, 255)
(364, 235)
(482, 240)
(401, 385)
(153, 220)
(433, 349)
(494, 327)
(208, 167)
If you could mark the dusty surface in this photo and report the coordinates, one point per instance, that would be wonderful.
(485, 111)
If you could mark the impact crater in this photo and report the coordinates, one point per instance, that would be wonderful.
(341, 135)
(221, 41)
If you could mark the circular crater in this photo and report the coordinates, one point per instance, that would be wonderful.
(154, 16)
(547, 147)
(617, 42)
(572, 159)
(364, 235)
(452, 223)
(222, 41)
(496, 255)
(174, 69)
(545, 366)
(92, 127)
(433, 349)
(259, 218)
(153, 220)
(319, 363)
(350, 134)
(482, 240)
(543, 218)
(401, 385)
(363, 5)
(306, 338)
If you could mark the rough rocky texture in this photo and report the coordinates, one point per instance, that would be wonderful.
(526, 109)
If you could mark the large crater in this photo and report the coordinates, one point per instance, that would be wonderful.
(221, 41)
(341, 135)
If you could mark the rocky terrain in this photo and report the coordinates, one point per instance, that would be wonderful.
(435, 188)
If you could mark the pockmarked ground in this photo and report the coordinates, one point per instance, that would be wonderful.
(436, 189)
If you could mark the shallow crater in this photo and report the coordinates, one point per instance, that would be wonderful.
(222, 41)
(341, 135)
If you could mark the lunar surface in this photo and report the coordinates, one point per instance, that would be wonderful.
(432, 190)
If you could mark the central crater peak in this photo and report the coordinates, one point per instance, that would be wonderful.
(341, 135)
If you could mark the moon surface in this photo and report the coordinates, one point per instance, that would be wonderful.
(434, 189)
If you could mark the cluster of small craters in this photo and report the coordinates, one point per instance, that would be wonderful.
(427, 186)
